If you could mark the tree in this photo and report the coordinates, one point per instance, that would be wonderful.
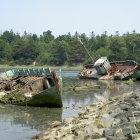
(8, 36)
(118, 49)
(5, 51)
(76, 52)
(102, 52)
(47, 36)
(58, 52)
(25, 51)
(66, 49)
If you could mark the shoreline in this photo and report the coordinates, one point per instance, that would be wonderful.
(65, 67)
(112, 119)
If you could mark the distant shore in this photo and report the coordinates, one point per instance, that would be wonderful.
(64, 67)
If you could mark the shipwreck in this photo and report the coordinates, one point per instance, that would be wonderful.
(118, 70)
(31, 87)
(104, 70)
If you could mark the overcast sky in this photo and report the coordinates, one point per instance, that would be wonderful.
(63, 16)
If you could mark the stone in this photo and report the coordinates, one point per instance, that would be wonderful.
(128, 114)
(109, 132)
(136, 113)
(89, 129)
(128, 129)
(119, 133)
(136, 104)
(69, 120)
(115, 120)
(124, 106)
(116, 138)
(119, 115)
(107, 120)
(100, 139)
(134, 119)
(137, 139)
(111, 138)
(134, 136)
(55, 123)
(116, 111)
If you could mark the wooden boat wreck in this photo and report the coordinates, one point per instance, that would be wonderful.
(30, 87)
(117, 70)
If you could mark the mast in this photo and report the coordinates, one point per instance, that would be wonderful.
(79, 39)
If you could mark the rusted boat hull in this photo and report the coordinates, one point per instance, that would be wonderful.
(121, 70)
(32, 90)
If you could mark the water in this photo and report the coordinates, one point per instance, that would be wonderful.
(20, 123)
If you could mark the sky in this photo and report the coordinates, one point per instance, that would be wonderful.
(63, 16)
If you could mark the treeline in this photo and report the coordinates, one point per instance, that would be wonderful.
(27, 49)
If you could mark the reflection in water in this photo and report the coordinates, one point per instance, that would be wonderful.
(26, 120)
(81, 98)
(20, 123)
(36, 118)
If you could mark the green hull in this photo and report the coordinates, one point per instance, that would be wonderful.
(135, 75)
(47, 98)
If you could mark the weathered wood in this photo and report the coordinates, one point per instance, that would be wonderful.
(32, 90)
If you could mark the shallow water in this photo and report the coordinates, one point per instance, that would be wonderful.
(20, 123)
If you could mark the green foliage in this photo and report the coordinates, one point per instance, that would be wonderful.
(102, 52)
(118, 48)
(5, 50)
(66, 49)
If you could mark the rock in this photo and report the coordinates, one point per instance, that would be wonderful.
(136, 104)
(107, 120)
(119, 133)
(134, 120)
(119, 115)
(136, 113)
(111, 138)
(67, 137)
(134, 136)
(81, 113)
(114, 119)
(129, 114)
(124, 107)
(67, 129)
(89, 129)
(100, 139)
(137, 139)
(127, 128)
(116, 138)
(115, 122)
(128, 100)
(55, 123)
(65, 107)
(69, 120)
(109, 132)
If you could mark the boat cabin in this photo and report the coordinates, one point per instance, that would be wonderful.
(102, 65)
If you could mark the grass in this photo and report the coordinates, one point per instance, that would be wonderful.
(64, 67)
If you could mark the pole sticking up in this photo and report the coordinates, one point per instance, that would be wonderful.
(79, 39)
